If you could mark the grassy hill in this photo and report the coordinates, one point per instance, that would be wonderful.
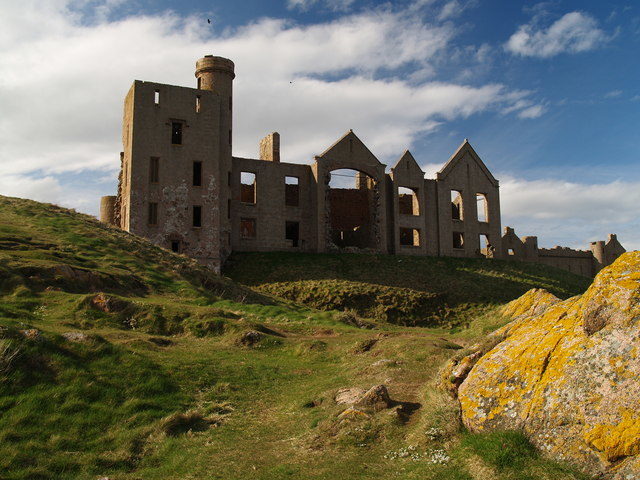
(121, 359)
(425, 291)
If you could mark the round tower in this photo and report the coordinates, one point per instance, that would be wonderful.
(216, 74)
(108, 209)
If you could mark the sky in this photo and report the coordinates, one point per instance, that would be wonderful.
(548, 93)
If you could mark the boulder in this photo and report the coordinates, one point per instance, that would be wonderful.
(77, 337)
(566, 373)
(376, 398)
(250, 338)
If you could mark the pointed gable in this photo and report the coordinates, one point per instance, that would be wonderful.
(351, 153)
(465, 151)
(407, 172)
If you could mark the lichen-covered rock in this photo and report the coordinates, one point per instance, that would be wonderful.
(568, 376)
(534, 302)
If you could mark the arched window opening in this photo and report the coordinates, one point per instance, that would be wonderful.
(483, 207)
(457, 212)
(352, 209)
(408, 203)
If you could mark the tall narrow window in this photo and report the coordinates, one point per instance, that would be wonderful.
(176, 133)
(228, 208)
(153, 213)
(483, 207)
(175, 246)
(248, 187)
(291, 191)
(199, 83)
(197, 103)
(292, 233)
(197, 174)
(457, 212)
(154, 170)
(156, 97)
(197, 216)
(229, 136)
(458, 240)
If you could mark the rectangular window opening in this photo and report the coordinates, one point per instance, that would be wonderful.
(248, 187)
(248, 227)
(175, 246)
(483, 207)
(291, 191)
(228, 208)
(486, 249)
(511, 252)
(153, 213)
(197, 174)
(409, 237)
(198, 104)
(229, 179)
(229, 136)
(156, 97)
(408, 201)
(292, 233)
(176, 133)
(458, 240)
(154, 170)
(197, 216)
(457, 212)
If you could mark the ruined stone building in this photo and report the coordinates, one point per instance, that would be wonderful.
(181, 187)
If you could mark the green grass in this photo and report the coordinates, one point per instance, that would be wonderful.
(425, 291)
(162, 388)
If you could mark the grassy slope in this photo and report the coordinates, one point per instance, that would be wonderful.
(410, 290)
(101, 407)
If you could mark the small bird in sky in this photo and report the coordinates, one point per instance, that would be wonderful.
(208, 20)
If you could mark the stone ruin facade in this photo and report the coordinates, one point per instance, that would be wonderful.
(181, 187)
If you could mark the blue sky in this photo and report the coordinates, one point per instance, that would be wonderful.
(548, 93)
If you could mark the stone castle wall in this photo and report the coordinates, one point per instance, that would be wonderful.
(180, 187)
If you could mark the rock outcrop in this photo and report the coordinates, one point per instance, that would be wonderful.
(566, 372)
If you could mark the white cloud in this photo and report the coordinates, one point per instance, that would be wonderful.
(450, 9)
(64, 82)
(43, 189)
(571, 214)
(613, 94)
(574, 32)
(532, 112)
(335, 5)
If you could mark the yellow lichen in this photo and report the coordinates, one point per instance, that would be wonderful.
(615, 441)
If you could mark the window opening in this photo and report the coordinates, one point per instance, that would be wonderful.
(458, 240)
(156, 97)
(457, 212)
(483, 207)
(486, 249)
(197, 216)
(153, 213)
(176, 133)
(175, 246)
(197, 174)
(408, 201)
(511, 252)
(292, 231)
(248, 227)
(248, 187)
(409, 237)
(154, 170)
(291, 191)
(198, 104)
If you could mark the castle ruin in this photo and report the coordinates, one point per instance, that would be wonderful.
(181, 187)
